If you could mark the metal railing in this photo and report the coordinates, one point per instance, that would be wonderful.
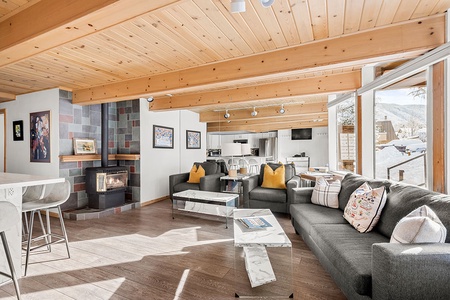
(401, 172)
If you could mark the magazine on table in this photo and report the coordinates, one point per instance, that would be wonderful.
(255, 222)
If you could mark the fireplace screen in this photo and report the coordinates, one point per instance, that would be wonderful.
(110, 181)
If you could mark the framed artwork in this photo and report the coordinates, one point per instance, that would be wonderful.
(193, 139)
(18, 130)
(162, 137)
(40, 136)
(84, 146)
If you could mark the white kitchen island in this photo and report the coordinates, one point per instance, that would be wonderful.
(11, 185)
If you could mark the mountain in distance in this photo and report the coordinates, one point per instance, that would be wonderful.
(411, 115)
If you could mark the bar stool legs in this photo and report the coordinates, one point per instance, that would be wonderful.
(11, 265)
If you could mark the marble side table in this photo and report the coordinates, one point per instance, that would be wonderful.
(263, 258)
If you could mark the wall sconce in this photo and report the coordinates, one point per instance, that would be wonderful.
(226, 115)
(254, 112)
(282, 111)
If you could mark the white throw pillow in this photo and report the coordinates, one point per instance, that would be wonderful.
(326, 194)
(364, 207)
(422, 225)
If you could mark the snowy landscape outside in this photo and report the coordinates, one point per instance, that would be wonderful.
(400, 116)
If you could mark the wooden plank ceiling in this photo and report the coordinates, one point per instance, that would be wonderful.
(196, 55)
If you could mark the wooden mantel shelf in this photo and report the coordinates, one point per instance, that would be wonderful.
(91, 157)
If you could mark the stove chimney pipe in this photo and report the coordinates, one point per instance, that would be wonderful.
(105, 130)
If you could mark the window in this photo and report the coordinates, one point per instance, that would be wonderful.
(400, 134)
(346, 135)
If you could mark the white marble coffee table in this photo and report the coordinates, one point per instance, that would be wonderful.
(211, 203)
(266, 254)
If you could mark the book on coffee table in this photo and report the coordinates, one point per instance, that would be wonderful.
(255, 222)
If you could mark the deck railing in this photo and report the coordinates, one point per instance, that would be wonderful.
(401, 172)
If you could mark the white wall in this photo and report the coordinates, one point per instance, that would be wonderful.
(18, 152)
(316, 148)
(158, 164)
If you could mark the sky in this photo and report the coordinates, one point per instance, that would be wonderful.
(398, 97)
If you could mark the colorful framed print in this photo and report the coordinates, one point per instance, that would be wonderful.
(162, 137)
(193, 139)
(18, 130)
(40, 136)
(84, 146)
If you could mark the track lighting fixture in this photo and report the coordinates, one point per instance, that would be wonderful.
(254, 112)
(226, 115)
(282, 111)
(238, 6)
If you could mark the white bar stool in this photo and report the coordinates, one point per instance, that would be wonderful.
(9, 216)
(55, 195)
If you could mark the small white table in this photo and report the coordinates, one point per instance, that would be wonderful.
(211, 203)
(11, 185)
(265, 254)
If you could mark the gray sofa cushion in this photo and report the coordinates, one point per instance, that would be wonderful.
(352, 181)
(403, 199)
(307, 215)
(209, 167)
(183, 186)
(349, 251)
(272, 195)
(289, 171)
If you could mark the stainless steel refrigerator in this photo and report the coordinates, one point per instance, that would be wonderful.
(268, 147)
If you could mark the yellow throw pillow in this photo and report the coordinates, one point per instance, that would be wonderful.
(274, 179)
(195, 174)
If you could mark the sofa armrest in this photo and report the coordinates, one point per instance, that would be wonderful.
(410, 271)
(292, 184)
(302, 195)
(248, 184)
(176, 179)
(211, 182)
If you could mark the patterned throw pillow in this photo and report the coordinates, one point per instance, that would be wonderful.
(326, 194)
(364, 207)
(196, 174)
(422, 225)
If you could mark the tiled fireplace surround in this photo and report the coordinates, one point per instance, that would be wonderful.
(85, 122)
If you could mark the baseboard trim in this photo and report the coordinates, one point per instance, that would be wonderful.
(154, 201)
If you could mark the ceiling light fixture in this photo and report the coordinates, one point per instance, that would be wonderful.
(237, 6)
(282, 111)
(254, 112)
(226, 115)
(150, 99)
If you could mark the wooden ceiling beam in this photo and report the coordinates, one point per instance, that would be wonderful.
(7, 97)
(273, 120)
(265, 112)
(393, 42)
(267, 127)
(51, 23)
(280, 90)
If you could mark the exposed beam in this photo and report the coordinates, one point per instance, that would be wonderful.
(7, 97)
(50, 23)
(274, 119)
(264, 112)
(307, 86)
(267, 127)
(365, 47)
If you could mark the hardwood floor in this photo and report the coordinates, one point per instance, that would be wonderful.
(144, 254)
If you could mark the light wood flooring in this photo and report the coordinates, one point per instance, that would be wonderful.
(145, 254)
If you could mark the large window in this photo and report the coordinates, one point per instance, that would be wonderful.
(346, 135)
(401, 136)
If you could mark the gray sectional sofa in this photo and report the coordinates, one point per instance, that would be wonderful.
(366, 265)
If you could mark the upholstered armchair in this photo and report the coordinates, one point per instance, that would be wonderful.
(275, 199)
(209, 182)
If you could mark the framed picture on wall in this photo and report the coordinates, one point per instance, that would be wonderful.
(40, 136)
(18, 130)
(84, 146)
(162, 137)
(193, 139)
